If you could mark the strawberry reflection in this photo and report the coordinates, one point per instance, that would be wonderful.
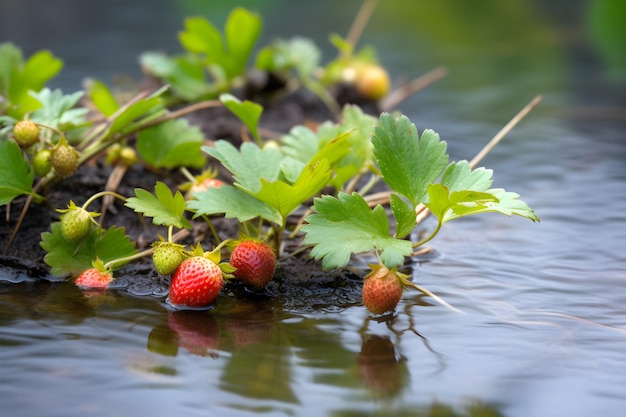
(249, 323)
(380, 367)
(195, 331)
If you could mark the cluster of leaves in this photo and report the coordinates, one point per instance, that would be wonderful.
(214, 63)
(223, 58)
(323, 176)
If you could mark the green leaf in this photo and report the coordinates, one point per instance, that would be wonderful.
(291, 169)
(200, 36)
(241, 32)
(343, 45)
(247, 111)
(446, 205)
(298, 53)
(185, 74)
(171, 144)
(165, 208)
(233, 203)
(228, 54)
(39, 68)
(248, 164)
(19, 78)
(57, 109)
(459, 176)
(345, 225)
(285, 197)
(10, 62)
(360, 127)
(510, 204)
(65, 257)
(334, 151)
(16, 174)
(408, 163)
(136, 110)
(404, 214)
(300, 143)
(102, 97)
(347, 146)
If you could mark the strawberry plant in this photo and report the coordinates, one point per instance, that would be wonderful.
(310, 187)
(224, 57)
(411, 165)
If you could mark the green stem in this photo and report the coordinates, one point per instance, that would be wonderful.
(430, 294)
(370, 183)
(114, 262)
(429, 237)
(169, 233)
(188, 174)
(102, 194)
(216, 237)
(54, 129)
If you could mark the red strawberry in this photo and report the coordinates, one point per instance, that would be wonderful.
(203, 185)
(196, 282)
(94, 278)
(255, 262)
(382, 289)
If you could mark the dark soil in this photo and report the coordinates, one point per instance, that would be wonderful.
(299, 281)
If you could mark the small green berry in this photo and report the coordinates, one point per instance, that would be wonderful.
(42, 163)
(26, 133)
(64, 159)
(166, 257)
(128, 156)
(75, 224)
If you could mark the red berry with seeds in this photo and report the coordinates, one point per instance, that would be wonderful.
(255, 262)
(382, 289)
(94, 278)
(26, 133)
(196, 282)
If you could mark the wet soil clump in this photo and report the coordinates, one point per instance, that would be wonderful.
(299, 282)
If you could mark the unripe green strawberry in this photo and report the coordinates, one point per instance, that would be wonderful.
(75, 223)
(382, 289)
(42, 163)
(64, 158)
(26, 133)
(255, 262)
(166, 257)
(128, 156)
